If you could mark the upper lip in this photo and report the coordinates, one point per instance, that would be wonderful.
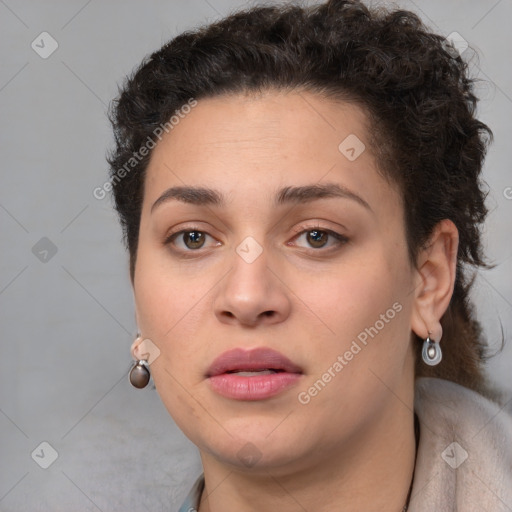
(247, 360)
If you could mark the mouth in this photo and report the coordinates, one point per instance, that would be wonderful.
(252, 362)
(252, 375)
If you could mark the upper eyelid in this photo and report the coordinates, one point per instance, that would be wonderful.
(339, 237)
(174, 235)
(302, 228)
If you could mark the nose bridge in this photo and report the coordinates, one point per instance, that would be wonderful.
(251, 293)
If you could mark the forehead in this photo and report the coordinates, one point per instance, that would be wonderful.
(258, 143)
(299, 123)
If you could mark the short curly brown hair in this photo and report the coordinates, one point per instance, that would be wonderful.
(415, 89)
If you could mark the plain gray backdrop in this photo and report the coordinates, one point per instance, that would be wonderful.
(66, 305)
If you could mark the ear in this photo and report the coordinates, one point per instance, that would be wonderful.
(137, 323)
(435, 279)
(136, 348)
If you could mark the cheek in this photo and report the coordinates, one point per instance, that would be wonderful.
(169, 311)
(173, 307)
(364, 308)
(352, 297)
(163, 294)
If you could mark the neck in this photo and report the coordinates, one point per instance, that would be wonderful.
(373, 471)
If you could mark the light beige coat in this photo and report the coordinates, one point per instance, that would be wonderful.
(464, 460)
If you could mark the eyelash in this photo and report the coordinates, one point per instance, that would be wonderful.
(340, 239)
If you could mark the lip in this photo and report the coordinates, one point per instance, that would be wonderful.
(257, 387)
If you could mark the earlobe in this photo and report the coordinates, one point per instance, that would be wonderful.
(135, 348)
(436, 268)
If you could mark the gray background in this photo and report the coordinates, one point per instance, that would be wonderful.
(67, 318)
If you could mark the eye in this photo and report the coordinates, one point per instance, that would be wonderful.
(318, 238)
(188, 240)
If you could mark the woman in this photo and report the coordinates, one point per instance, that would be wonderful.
(301, 199)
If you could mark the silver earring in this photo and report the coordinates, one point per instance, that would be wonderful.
(431, 352)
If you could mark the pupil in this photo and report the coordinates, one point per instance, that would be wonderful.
(317, 238)
(194, 239)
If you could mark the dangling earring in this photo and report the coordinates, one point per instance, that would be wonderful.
(139, 374)
(431, 352)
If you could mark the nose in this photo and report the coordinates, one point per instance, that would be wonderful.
(252, 294)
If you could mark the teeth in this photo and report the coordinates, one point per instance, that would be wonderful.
(253, 373)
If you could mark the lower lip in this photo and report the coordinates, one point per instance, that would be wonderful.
(258, 387)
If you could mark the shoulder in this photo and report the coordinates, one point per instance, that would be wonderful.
(464, 459)
(446, 398)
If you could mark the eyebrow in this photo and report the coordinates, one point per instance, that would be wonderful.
(203, 196)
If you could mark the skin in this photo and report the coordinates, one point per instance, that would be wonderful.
(353, 444)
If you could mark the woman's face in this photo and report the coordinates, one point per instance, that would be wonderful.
(265, 225)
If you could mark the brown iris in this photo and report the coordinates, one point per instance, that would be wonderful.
(193, 239)
(317, 238)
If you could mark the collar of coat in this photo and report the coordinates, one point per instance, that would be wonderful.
(464, 459)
